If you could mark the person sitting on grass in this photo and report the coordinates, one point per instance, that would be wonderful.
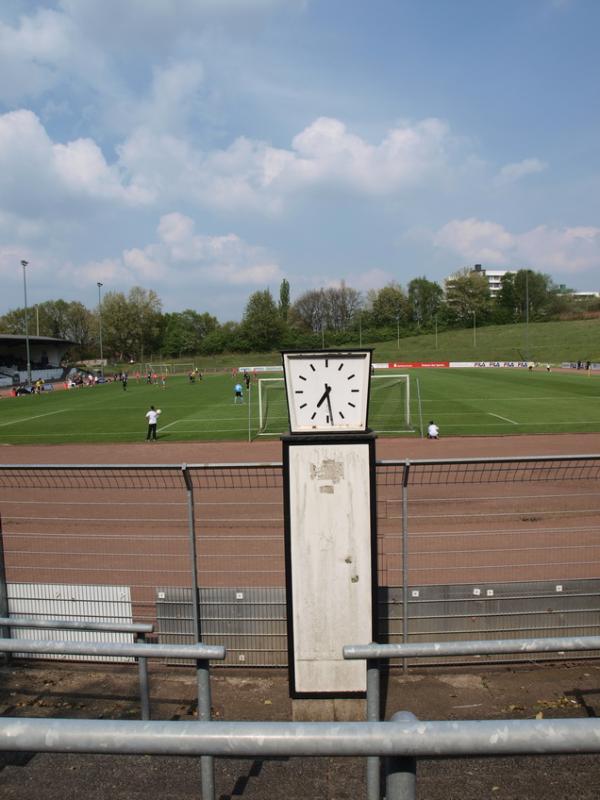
(433, 432)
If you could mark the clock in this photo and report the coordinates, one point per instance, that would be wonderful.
(328, 390)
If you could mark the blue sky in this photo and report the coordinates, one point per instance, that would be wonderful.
(207, 149)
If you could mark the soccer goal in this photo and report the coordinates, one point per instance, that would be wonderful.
(389, 405)
(159, 369)
(272, 407)
(182, 367)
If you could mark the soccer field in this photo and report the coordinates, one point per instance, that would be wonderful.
(462, 402)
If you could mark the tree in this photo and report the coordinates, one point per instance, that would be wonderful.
(424, 300)
(468, 294)
(131, 325)
(528, 294)
(261, 327)
(308, 312)
(284, 299)
(340, 304)
(389, 306)
(332, 309)
(57, 318)
(184, 331)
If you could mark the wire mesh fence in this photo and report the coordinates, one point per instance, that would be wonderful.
(465, 548)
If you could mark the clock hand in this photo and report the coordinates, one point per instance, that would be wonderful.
(324, 396)
(329, 406)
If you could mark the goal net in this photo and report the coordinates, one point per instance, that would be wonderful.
(389, 405)
(159, 369)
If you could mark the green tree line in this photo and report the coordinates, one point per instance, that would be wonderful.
(134, 325)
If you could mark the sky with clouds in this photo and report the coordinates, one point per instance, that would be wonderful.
(207, 149)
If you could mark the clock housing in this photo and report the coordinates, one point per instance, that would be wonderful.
(328, 390)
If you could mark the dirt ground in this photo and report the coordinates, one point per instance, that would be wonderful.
(266, 451)
(110, 692)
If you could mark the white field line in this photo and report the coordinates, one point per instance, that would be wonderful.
(506, 419)
(28, 419)
(164, 427)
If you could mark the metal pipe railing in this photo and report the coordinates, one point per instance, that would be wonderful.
(76, 624)
(404, 736)
(138, 629)
(377, 655)
(200, 653)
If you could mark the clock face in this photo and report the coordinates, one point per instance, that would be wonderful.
(327, 391)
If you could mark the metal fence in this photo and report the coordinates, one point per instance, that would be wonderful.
(467, 549)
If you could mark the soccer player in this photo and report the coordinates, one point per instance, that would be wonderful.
(152, 417)
(433, 432)
(238, 393)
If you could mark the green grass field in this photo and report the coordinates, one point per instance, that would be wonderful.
(461, 401)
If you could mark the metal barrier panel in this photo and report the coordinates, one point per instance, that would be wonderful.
(250, 623)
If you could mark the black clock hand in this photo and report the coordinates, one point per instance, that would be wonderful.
(329, 406)
(324, 396)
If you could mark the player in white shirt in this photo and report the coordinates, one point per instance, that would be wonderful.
(433, 432)
(152, 416)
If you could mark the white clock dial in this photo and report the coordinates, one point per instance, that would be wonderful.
(327, 391)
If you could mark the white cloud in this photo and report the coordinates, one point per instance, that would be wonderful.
(39, 175)
(254, 175)
(32, 54)
(510, 173)
(181, 254)
(476, 240)
(543, 248)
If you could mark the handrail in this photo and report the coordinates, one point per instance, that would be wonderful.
(79, 625)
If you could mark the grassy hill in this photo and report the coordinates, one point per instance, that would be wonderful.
(540, 341)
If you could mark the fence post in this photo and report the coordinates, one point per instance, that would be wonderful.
(401, 771)
(193, 556)
(143, 678)
(373, 714)
(4, 632)
(405, 620)
(207, 769)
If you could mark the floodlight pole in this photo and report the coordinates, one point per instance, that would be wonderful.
(37, 320)
(24, 264)
(360, 328)
(436, 341)
(474, 329)
(398, 330)
(527, 315)
(99, 285)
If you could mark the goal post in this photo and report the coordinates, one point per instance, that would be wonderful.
(160, 369)
(389, 405)
(272, 407)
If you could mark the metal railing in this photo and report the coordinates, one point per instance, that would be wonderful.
(401, 740)
(378, 654)
(200, 653)
(467, 548)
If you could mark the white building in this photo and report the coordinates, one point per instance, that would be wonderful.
(493, 276)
